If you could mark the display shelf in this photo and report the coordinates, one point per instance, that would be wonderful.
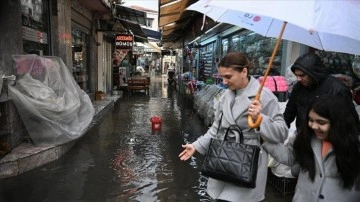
(206, 61)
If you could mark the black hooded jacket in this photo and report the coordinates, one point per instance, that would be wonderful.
(302, 96)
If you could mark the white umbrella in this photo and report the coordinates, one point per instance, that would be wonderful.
(338, 17)
(325, 25)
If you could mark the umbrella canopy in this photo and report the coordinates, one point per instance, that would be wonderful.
(324, 25)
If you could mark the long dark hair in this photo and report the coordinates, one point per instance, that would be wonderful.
(343, 134)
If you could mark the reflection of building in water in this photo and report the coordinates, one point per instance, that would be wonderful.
(126, 174)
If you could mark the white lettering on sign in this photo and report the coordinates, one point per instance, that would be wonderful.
(122, 43)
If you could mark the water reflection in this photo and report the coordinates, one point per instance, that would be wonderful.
(122, 159)
(164, 86)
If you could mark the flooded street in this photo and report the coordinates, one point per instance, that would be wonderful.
(122, 159)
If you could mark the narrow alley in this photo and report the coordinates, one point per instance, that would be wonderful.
(122, 159)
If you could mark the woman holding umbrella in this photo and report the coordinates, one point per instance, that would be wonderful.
(236, 104)
(327, 148)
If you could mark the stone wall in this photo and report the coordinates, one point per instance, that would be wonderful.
(12, 129)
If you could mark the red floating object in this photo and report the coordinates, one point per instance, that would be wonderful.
(156, 122)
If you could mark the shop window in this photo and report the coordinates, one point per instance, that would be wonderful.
(235, 40)
(206, 62)
(340, 65)
(80, 48)
(259, 50)
(224, 46)
(149, 22)
(336, 63)
(210, 47)
(35, 15)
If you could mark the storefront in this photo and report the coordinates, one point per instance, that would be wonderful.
(35, 27)
(50, 28)
(80, 54)
(207, 52)
(207, 61)
(257, 48)
(106, 65)
(80, 42)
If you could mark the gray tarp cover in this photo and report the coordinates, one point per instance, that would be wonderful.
(50, 103)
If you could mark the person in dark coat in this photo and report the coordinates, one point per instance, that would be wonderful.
(312, 81)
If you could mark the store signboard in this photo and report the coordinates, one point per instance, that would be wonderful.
(124, 41)
(119, 55)
(138, 50)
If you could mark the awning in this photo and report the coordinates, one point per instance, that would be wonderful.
(150, 47)
(133, 28)
(117, 25)
(174, 19)
(151, 33)
(96, 5)
(171, 11)
(131, 15)
(154, 46)
(128, 20)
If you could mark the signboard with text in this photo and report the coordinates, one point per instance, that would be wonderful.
(124, 41)
(119, 55)
(138, 50)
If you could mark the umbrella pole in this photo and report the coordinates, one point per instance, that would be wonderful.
(257, 97)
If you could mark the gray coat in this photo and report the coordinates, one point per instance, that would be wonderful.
(234, 107)
(326, 186)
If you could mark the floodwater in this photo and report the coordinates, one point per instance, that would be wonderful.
(122, 159)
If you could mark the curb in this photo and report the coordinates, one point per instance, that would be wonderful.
(27, 156)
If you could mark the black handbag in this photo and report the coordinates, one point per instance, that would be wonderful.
(233, 162)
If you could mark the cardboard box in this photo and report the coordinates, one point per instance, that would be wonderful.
(99, 95)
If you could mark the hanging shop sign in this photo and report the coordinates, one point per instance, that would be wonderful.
(124, 41)
(119, 55)
(138, 50)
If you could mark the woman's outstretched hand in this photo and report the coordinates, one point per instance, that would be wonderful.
(189, 150)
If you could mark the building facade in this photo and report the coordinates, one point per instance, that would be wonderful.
(63, 28)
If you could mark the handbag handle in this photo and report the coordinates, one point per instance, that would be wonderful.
(237, 129)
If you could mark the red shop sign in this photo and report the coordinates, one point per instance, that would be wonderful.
(124, 41)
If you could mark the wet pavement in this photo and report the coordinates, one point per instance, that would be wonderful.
(122, 159)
